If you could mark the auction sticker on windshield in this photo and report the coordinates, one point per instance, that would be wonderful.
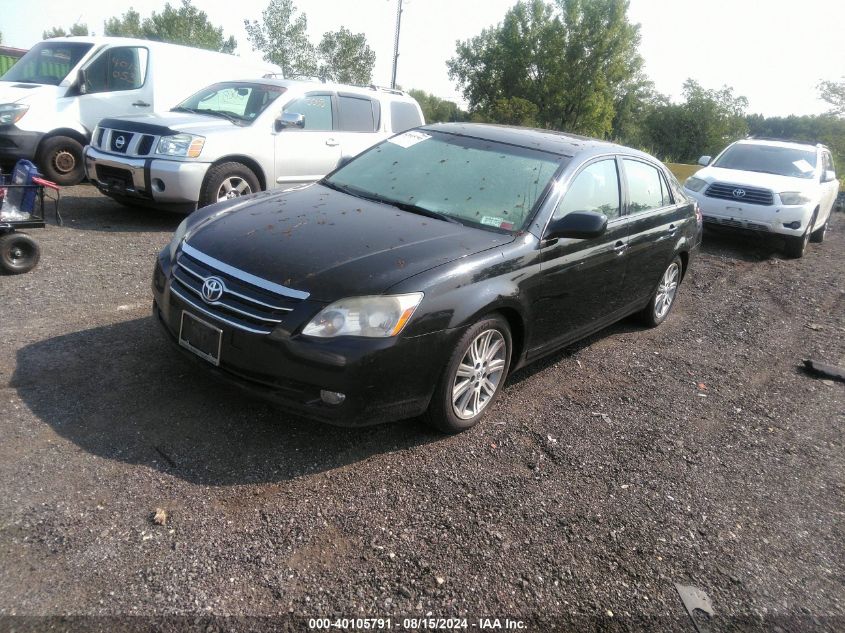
(409, 139)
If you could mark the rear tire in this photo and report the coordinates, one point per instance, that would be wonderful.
(228, 180)
(60, 160)
(19, 253)
(663, 299)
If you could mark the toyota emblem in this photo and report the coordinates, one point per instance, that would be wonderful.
(119, 142)
(212, 289)
(739, 193)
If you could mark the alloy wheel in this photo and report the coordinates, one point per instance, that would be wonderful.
(233, 187)
(479, 374)
(666, 290)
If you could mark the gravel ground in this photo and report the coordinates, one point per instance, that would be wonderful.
(695, 453)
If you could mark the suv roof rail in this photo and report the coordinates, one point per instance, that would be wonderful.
(317, 78)
(387, 89)
(784, 140)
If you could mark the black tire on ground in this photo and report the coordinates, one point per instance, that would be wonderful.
(490, 334)
(797, 246)
(229, 180)
(817, 236)
(663, 299)
(60, 160)
(19, 253)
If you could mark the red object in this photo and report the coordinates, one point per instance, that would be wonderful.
(45, 183)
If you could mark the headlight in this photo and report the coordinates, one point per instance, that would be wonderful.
(695, 184)
(181, 145)
(376, 316)
(11, 113)
(178, 236)
(793, 197)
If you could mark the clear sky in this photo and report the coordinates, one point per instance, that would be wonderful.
(774, 52)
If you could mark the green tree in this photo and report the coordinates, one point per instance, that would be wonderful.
(57, 31)
(282, 37)
(345, 57)
(185, 24)
(572, 59)
(834, 93)
(437, 110)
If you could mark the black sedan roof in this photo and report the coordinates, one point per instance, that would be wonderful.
(545, 140)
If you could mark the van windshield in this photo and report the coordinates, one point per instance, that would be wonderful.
(240, 102)
(47, 63)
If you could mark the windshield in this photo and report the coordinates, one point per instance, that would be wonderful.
(240, 102)
(769, 159)
(47, 63)
(474, 181)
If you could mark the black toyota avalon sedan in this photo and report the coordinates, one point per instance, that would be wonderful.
(414, 278)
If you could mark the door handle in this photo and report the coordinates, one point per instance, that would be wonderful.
(620, 247)
(141, 104)
(672, 229)
(332, 143)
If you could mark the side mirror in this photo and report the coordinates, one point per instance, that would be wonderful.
(705, 160)
(289, 119)
(82, 81)
(581, 225)
(829, 176)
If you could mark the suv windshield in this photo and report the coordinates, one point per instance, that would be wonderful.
(240, 102)
(474, 181)
(769, 159)
(47, 63)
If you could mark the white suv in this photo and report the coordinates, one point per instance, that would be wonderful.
(238, 137)
(769, 185)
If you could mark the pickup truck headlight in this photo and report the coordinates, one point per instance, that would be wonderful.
(695, 184)
(379, 316)
(793, 197)
(11, 113)
(181, 145)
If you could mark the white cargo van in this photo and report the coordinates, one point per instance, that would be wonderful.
(54, 96)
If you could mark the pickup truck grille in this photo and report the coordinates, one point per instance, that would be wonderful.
(126, 143)
(740, 193)
(246, 303)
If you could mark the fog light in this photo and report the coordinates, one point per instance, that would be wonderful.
(158, 184)
(332, 397)
(792, 225)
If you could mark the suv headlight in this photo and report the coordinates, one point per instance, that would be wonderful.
(181, 145)
(11, 113)
(793, 197)
(375, 317)
(695, 184)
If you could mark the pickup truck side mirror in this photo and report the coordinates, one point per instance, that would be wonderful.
(829, 175)
(581, 225)
(290, 119)
(705, 160)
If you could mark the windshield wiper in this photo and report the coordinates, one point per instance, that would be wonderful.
(184, 109)
(231, 117)
(405, 206)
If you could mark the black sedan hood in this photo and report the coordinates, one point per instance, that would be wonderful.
(334, 245)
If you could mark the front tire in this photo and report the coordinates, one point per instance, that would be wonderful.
(663, 299)
(60, 160)
(19, 253)
(226, 181)
(817, 236)
(797, 246)
(474, 376)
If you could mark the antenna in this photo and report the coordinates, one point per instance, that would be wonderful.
(396, 44)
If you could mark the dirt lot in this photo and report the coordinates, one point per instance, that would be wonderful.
(695, 453)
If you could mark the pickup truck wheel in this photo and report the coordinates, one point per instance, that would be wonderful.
(19, 253)
(663, 298)
(226, 181)
(473, 378)
(60, 160)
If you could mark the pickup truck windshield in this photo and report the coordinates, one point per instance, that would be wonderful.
(769, 159)
(47, 63)
(478, 182)
(240, 102)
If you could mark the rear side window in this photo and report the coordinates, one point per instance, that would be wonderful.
(357, 115)
(596, 188)
(404, 116)
(317, 110)
(646, 187)
(118, 68)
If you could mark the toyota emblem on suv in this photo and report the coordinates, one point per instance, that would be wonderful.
(739, 193)
(119, 142)
(212, 289)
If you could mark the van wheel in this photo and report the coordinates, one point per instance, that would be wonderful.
(663, 298)
(60, 160)
(473, 378)
(19, 253)
(227, 181)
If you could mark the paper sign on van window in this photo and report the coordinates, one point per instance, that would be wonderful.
(408, 139)
(803, 165)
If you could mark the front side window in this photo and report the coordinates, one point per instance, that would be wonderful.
(646, 187)
(827, 162)
(317, 110)
(47, 63)
(115, 69)
(241, 102)
(596, 188)
(769, 159)
(474, 181)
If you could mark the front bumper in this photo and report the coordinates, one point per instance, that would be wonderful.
(780, 219)
(16, 144)
(154, 180)
(382, 379)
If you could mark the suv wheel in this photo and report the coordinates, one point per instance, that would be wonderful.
(817, 236)
(797, 246)
(226, 181)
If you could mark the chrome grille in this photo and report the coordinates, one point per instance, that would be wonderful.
(739, 193)
(132, 144)
(247, 303)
